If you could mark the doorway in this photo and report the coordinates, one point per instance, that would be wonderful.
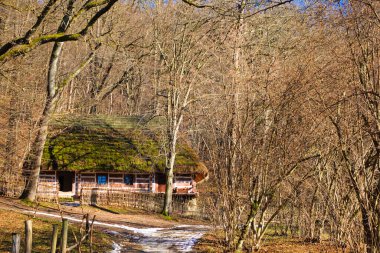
(161, 182)
(66, 180)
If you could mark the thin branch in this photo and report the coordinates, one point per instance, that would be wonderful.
(79, 69)
(7, 46)
(193, 3)
(23, 46)
(267, 8)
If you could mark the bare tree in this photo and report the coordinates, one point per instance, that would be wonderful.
(32, 163)
(183, 56)
(29, 41)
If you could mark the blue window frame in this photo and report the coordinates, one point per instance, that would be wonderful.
(128, 179)
(102, 179)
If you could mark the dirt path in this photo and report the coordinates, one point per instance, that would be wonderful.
(136, 219)
(135, 232)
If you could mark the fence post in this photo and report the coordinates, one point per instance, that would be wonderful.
(108, 196)
(15, 243)
(64, 230)
(28, 236)
(54, 237)
(91, 233)
(87, 225)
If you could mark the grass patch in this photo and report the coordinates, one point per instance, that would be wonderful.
(67, 199)
(118, 210)
(29, 203)
(167, 217)
(48, 204)
(11, 222)
(106, 209)
(124, 210)
(212, 242)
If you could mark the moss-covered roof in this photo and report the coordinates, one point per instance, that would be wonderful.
(131, 144)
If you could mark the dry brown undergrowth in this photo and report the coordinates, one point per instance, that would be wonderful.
(12, 222)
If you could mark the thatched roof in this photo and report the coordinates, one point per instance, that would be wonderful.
(131, 144)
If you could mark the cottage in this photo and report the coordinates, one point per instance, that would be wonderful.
(123, 153)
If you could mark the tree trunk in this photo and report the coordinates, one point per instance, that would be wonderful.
(10, 146)
(93, 109)
(70, 97)
(247, 226)
(174, 120)
(169, 171)
(368, 239)
(32, 164)
(168, 192)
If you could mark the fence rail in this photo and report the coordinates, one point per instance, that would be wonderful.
(181, 204)
(64, 247)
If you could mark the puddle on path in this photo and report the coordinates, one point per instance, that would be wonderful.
(180, 238)
(176, 239)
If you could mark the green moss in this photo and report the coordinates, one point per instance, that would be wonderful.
(24, 48)
(46, 37)
(116, 144)
(68, 199)
(29, 203)
(94, 3)
(167, 217)
(18, 50)
(54, 37)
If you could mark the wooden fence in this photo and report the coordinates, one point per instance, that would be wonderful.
(182, 204)
(86, 234)
(47, 191)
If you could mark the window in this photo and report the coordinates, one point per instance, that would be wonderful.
(102, 179)
(128, 179)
